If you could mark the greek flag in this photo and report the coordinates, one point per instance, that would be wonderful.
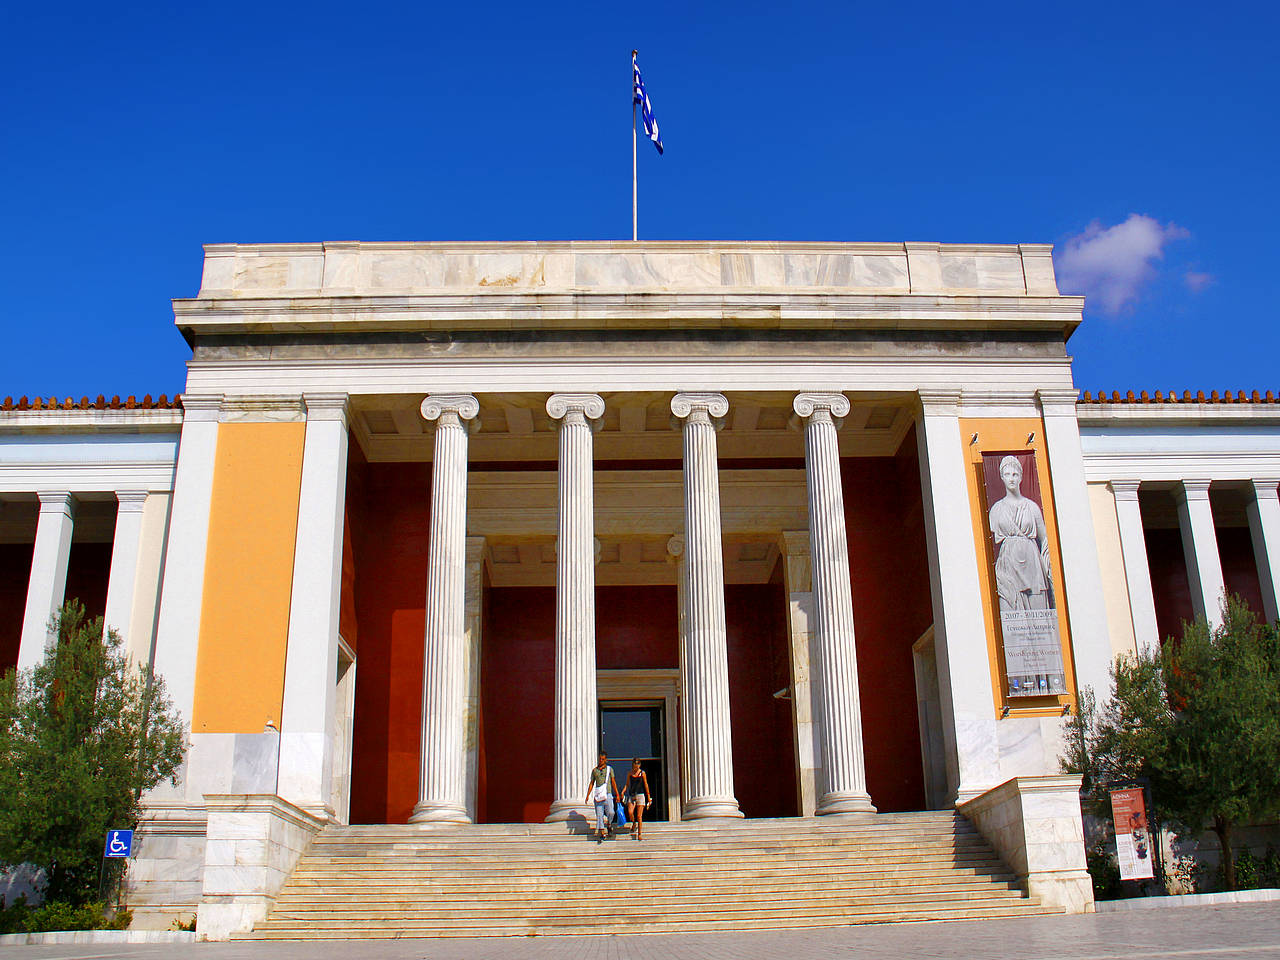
(646, 108)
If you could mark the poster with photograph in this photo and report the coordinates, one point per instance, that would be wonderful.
(1023, 575)
(1133, 838)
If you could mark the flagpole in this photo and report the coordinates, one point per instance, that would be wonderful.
(634, 205)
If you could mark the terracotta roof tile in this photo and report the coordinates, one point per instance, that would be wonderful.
(101, 403)
(1172, 396)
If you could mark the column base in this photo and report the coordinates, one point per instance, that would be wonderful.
(845, 801)
(438, 811)
(564, 810)
(702, 808)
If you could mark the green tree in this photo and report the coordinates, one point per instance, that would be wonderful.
(81, 737)
(1200, 719)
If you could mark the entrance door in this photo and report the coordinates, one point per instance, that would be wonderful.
(635, 729)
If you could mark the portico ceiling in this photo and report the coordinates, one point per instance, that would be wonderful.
(515, 427)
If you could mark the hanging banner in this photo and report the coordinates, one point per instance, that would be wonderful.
(1023, 575)
(1133, 838)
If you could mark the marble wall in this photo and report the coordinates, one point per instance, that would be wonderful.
(368, 268)
(1035, 825)
(253, 844)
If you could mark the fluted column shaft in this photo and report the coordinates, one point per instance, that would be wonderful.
(705, 678)
(575, 693)
(836, 659)
(442, 784)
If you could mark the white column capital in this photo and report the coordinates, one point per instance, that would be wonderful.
(807, 405)
(452, 408)
(1058, 403)
(57, 501)
(940, 402)
(1124, 489)
(694, 406)
(1189, 490)
(589, 406)
(131, 501)
(201, 407)
(326, 406)
(263, 408)
(794, 543)
(475, 548)
(1266, 489)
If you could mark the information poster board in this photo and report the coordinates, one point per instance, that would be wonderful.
(1133, 837)
(1023, 575)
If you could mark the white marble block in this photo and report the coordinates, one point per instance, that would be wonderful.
(1035, 825)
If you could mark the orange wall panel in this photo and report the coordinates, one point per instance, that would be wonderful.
(244, 624)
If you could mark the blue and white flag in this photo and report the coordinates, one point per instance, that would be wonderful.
(638, 96)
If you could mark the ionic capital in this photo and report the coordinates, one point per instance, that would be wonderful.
(694, 407)
(570, 407)
(452, 407)
(821, 406)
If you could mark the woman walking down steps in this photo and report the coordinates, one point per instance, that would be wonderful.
(639, 798)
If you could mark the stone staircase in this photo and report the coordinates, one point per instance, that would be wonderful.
(539, 879)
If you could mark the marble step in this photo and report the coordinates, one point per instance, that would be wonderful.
(343, 930)
(452, 886)
(691, 903)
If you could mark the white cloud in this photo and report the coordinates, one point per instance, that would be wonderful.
(1197, 281)
(1111, 265)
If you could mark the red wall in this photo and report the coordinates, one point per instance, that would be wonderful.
(15, 561)
(88, 570)
(892, 607)
(388, 509)
(636, 628)
(1239, 567)
(1171, 585)
(764, 765)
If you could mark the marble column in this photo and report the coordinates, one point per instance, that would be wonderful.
(442, 785)
(305, 776)
(835, 656)
(1081, 573)
(48, 581)
(1264, 529)
(959, 621)
(125, 546)
(1137, 572)
(576, 740)
(705, 677)
(1200, 546)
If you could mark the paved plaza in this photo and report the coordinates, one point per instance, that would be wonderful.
(1214, 932)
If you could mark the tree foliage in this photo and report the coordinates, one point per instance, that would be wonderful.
(1200, 719)
(81, 737)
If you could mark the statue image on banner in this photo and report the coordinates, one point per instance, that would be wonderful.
(1023, 576)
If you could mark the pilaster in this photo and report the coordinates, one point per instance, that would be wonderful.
(125, 545)
(960, 639)
(1264, 529)
(474, 626)
(1137, 571)
(1200, 546)
(798, 582)
(311, 660)
(47, 585)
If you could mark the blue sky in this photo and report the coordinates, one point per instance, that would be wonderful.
(1142, 137)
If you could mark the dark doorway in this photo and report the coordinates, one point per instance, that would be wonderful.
(635, 729)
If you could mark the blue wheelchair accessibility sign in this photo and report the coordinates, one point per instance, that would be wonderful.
(119, 843)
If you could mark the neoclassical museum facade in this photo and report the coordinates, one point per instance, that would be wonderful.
(810, 528)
